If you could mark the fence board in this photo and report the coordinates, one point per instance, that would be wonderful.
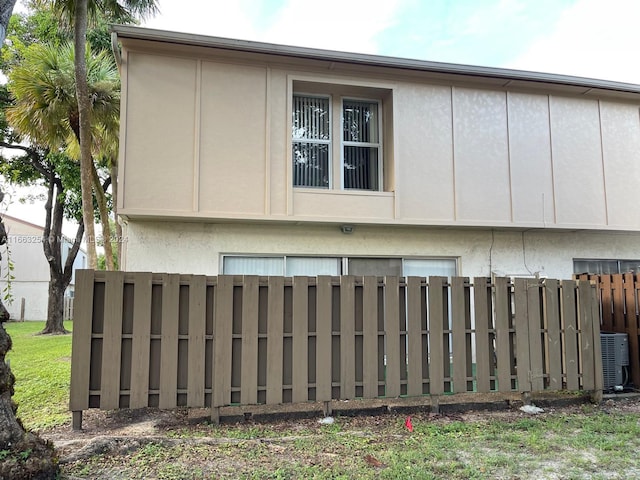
(347, 338)
(222, 331)
(522, 334)
(414, 336)
(112, 342)
(81, 341)
(459, 335)
(569, 313)
(139, 396)
(586, 335)
(631, 290)
(481, 300)
(324, 354)
(617, 295)
(536, 364)
(607, 302)
(275, 330)
(436, 336)
(169, 341)
(249, 361)
(503, 337)
(370, 337)
(196, 342)
(554, 346)
(392, 336)
(300, 386)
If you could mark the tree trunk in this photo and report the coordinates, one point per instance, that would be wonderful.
(84, 110)
(55, 306)
(104, 219)
(6, 9)
(114, 195)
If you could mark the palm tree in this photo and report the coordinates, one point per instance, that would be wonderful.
(79, 13)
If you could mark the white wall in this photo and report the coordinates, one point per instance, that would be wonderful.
(197, 247)
(35, 295)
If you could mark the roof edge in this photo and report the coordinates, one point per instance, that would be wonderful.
(143, 33)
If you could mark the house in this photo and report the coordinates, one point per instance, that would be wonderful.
(251, 158)
(30, 283)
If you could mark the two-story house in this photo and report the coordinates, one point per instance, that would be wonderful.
(251, 158)
(28, 288)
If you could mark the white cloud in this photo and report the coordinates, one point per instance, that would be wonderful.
(592, 38)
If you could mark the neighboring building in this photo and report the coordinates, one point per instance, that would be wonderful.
(31, 270)
(245, 157)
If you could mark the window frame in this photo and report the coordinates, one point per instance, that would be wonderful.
(379, 145)
(380, 92)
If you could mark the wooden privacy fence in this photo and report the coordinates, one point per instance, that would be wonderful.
(168, 340)
(618, 296)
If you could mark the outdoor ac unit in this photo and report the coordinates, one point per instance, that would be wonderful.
(615, 356)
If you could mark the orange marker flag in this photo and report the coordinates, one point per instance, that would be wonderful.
(408, 424)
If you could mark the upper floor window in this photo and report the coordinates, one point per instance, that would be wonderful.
(349, 143)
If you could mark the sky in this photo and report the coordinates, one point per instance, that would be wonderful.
(587, 38)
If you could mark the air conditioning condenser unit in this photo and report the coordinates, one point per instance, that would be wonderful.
(615, 359)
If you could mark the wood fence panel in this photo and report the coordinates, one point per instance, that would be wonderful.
(536, 364)
(617, 295)
(482, 301)
(631, 287)
(249, 367)
(196, 341)
(300, 387)
(606, 298)
(81, 341)
(459, 334)
(275, 331)
(222, 331)
(392, 335)
(370, 337)
(414, 335)
(139, 396)
(569, 312)
(112, 342)
(169, 341)
(503, 336)
(436, 336)
(553, 344)
(324, 354)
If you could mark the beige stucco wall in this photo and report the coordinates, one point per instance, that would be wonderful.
(197, 247)
(206, 135)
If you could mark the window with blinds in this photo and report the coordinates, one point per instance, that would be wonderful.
(311, 133)
(357, 155)
(361, 145)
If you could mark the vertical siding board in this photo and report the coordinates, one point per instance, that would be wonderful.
(112, 341)
(323, 339)
(249, 366)
(370, 337)
(534, 301)
(142, 284)
(481, 301)
(436, 335)
(275, 336)
(392, 333)
(503, 338)
(414, 333)
(347, 338)
(586, 335)
(522, 335)
(458, 326)
(632, 326)
(196, 342)
(300, 392)
(81, 341)
(570, 334)
(169, 341)
(222, 331)
(554, 346)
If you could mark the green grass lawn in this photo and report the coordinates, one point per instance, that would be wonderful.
(42, 367)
